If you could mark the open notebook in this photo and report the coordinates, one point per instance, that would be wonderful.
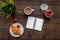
(34, 23)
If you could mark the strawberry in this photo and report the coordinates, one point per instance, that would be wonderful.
(15, 20)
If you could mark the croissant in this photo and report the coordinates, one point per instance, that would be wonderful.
(15, 30)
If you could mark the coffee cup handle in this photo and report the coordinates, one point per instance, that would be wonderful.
(32, 9)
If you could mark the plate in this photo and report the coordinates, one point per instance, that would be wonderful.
(21, 30)
(44, 7)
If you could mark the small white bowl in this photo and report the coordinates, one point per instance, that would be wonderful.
(44, 7)
(48, 16)
(21, 29)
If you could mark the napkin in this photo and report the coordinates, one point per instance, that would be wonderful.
(34, 23)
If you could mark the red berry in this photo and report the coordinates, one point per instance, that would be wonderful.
(18, 26)
(15, 19)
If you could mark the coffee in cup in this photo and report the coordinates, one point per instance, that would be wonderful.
(28, 10)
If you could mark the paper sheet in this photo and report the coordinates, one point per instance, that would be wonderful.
(30, 22)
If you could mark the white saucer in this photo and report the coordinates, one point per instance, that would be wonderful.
(44, 6)
(21, 29)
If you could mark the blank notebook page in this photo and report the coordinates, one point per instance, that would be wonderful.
(39, 24)
(30, 22)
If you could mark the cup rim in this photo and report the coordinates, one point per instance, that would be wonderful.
(27, 13)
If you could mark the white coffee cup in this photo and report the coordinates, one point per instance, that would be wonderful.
(44, 7)
(28, 10)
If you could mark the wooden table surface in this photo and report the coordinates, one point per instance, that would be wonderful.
(50, 30)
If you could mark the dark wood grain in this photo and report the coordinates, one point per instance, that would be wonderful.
(51, 28)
